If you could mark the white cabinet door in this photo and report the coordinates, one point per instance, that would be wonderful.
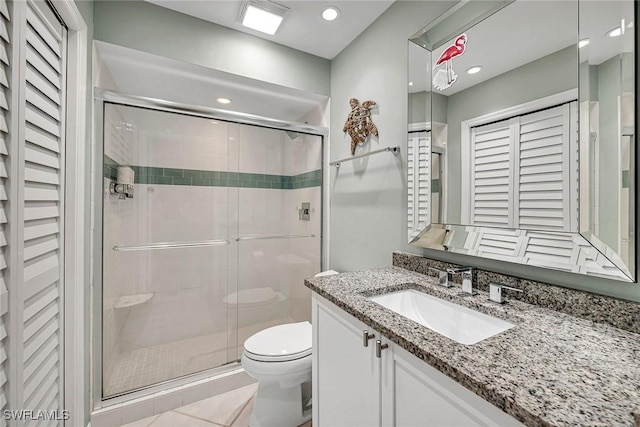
(346, 377)
(422, 396)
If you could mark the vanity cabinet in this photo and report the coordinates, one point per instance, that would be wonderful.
(346, 374)
(353, 387)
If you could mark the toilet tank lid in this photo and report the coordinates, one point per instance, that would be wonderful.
(282, 340)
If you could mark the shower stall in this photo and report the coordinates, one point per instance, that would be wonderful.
(210, 223)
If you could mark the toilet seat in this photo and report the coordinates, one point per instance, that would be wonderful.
(280, 343)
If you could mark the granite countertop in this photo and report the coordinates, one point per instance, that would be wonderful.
(551, 369)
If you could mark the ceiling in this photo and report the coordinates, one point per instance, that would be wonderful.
(525, 33)
(303, 27)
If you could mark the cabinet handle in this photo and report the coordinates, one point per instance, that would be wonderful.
(379, 348)
(366, 336)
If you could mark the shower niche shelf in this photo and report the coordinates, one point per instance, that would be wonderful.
(127, 301)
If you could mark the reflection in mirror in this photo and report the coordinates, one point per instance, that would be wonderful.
(522, 133)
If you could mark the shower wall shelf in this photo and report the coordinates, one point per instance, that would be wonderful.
(127, 301)
(171, 245)
(395, 150)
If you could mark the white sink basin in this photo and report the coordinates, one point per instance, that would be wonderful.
(459, 323)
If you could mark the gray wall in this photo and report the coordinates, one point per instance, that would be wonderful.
(423, 104)
(614, 77)
(368, 196)
(149, 28)
(546, 76)
(418, 111)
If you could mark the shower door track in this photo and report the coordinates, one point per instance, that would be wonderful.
(208, 112)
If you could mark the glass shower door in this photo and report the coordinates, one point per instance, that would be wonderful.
(279, 226)
(169, 247)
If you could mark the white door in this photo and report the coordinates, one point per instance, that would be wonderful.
(36, 143)
(5, 164)
(347, 381)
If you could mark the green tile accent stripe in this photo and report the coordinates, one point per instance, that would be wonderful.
(172, 176)
(625, 178)
(435, 186)
(110, 168)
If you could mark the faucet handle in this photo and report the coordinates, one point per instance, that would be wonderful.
(461, 269)
(495, 292)
(467, 278)
(443, 277)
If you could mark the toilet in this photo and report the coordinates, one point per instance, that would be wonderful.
(280, 359)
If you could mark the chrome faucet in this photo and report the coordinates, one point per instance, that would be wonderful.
(467, 278)
(495, 292)
(443, 277)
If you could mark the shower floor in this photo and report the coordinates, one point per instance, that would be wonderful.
(146, 366)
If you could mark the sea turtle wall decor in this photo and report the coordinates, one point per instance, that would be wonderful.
(359, 123)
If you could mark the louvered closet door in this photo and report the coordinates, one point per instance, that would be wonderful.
(4, 197)
(419, 182)
(546, 185)
(492, 155)
(42, 162)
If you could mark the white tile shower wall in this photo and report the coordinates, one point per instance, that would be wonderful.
(168, 140)
(189, 285)
(303, 154)
(303, 249)
(261, 150)
(120, 272)
(118, 135)
(279, 264)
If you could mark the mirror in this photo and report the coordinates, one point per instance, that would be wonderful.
(521, 136)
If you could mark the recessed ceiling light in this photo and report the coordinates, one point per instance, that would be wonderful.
(615, 32)
(582, 43)
(474, 70)
(223, 100)
(330, 13)
(262, 15)
(410, 83)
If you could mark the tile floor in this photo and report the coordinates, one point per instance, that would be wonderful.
(231, 409)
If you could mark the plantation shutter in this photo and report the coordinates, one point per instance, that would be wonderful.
(419, 182)
(42, 147)
(546, 186)
(491, 172)
(524, 171)
(4, 198)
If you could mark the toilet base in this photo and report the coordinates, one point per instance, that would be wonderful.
(278, 407)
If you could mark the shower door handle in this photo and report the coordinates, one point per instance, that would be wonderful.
(171, 245)
(275, 236)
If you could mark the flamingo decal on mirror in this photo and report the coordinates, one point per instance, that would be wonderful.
(446, 77)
